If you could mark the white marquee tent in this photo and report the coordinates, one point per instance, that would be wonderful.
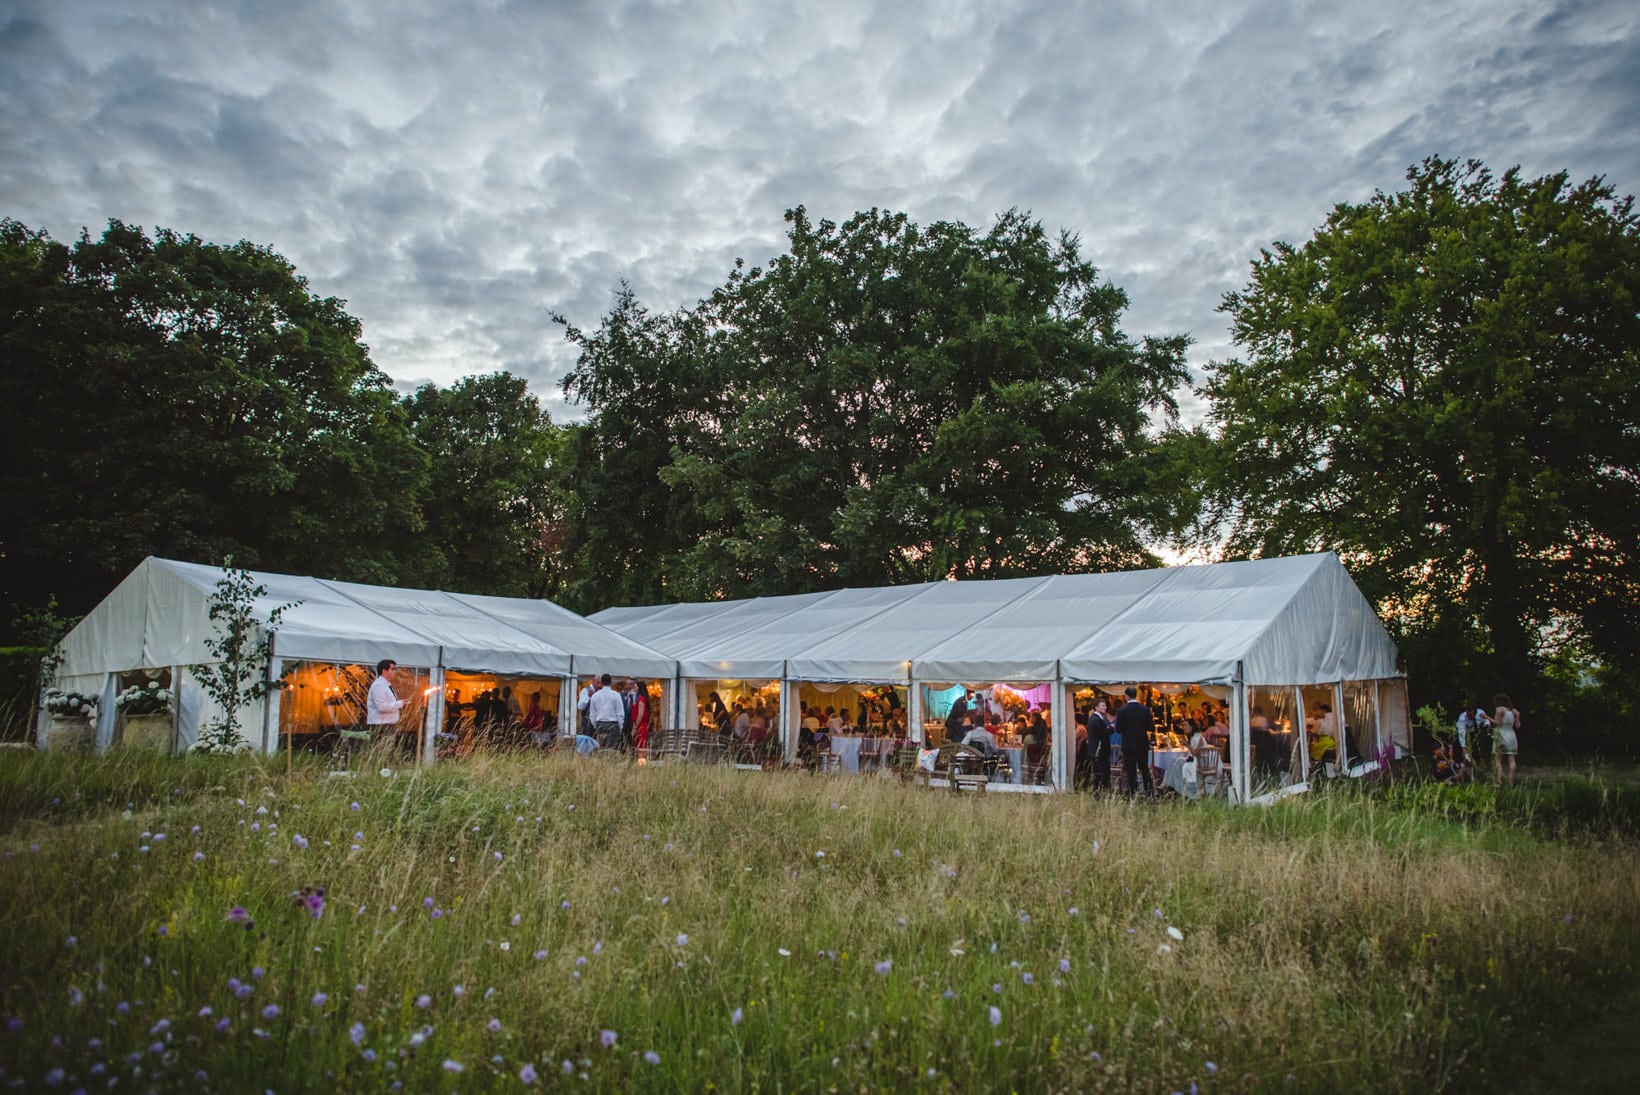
(1285, 623)
(157, 620)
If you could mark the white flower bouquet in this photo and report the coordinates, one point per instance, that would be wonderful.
(144, 699)
(59, 702)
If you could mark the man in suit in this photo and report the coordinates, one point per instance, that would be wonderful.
(1135, 725)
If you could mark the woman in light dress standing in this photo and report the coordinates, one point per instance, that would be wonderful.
(1506, 738)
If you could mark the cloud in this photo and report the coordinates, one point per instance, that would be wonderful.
(457, 172)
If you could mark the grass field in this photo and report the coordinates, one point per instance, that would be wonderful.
(595, 926)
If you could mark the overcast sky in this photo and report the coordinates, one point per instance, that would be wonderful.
(455, 171)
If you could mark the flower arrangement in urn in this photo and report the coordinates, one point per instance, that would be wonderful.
(144, 699)
(69, 704)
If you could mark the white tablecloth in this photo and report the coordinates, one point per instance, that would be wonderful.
(1165, 759)
(848, 750)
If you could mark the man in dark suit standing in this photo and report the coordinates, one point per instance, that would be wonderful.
(1135, 725)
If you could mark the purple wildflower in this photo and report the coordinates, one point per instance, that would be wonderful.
(884, 967)
(996, 1016)
(1064, 965)
(494, 1026)
(735, 1017)
(356, 1032)
(424, 1001)
(238, 915)
(527, 1074)
(652, 1057)
(607, 1037)
(257, 973)
(319, 999)
(271, 1011)
(683, 939)
(452, 1066)
(299, 840)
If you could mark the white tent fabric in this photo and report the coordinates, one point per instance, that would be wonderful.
(1285, 621)
(157, 617)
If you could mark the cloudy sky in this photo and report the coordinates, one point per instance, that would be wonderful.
(458, 170)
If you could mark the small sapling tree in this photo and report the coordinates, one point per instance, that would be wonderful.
(240, 644)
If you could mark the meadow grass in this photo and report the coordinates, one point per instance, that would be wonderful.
(485, 924)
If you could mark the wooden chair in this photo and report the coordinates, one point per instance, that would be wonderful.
(1209, 771)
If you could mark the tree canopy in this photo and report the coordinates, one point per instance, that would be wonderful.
(175, 397)
(883, 403)
(1440, 385)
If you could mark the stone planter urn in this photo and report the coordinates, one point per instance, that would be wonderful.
(148, 732)
(68, 732)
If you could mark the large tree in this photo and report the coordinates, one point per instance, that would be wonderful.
(489, 500)
(1442, 386)
(175, 397)
(884, 403)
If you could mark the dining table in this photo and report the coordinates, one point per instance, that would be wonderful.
(851, 750)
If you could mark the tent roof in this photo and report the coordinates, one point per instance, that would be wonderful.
(158, 616)
(1296, 620)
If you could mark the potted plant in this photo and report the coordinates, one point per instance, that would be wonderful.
(147, 711)
(71, 720)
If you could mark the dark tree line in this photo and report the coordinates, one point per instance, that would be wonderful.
(1440, 385)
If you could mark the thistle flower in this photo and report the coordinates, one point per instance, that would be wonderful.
(311, 898)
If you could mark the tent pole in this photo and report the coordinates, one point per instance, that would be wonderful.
(1240, 739)
(1343, 730)
(788, 738)
(1299, 732)
(430, 722)
(914, 709)
(271, 701)
(1064, 717)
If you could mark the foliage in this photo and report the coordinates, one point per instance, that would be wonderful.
(1440, 386)
(59, 702)
(884, 403)
(661, 905)
(489, 501)
(217, 406)
(144, 699)
(240, 643)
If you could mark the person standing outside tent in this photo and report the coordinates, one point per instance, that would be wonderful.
(583, 723)
(1505, 739)
(605, 711)
(640, 715)
(383, 706)
(1135, 725)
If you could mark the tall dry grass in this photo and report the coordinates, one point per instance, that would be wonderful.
(772, 931)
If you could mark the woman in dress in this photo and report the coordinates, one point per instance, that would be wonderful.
(1506, 739)
(640, 716)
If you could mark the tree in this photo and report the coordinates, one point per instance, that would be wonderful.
(489, 498)
(1441, 386)
(174, 397)
(888, 403)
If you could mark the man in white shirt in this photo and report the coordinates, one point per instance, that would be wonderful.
(605, 711)
(384, 705)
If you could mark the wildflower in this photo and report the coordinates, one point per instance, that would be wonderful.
(1212, 1069)
(498, 857)
(160, 1027)
(896, 853)
(55, 1077)
(271, 1011)
(539, 955)
(1096, 847)
(494, 1026)
(1175, 934)
(356, 1032)
(598, 948)
(1064, 965)
(515, 919)
(564, 905)
(819, 855)
(452, 1066)
(459, 991)
(527, 1074)
(884, 967)
(299, 840)
(311, 898)
(1157, 913)
(199, 857)
(996, 1016)
(997, 988)
(949, 994)
(683, 939)
(354, 806)
(650, 1055)
(569, 1067)
(369, 1056)
(427, 902)
(223, 1024)
(607, 1037)
(932, 1073)
(319, 999)
(783, 952)
(735, 1017)
(424, 1001)
(1027, 978)
(238, 915)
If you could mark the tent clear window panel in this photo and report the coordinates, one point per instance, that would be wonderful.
(320, 700)
(493, 711)
(1275, 742)
(1361, 720)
